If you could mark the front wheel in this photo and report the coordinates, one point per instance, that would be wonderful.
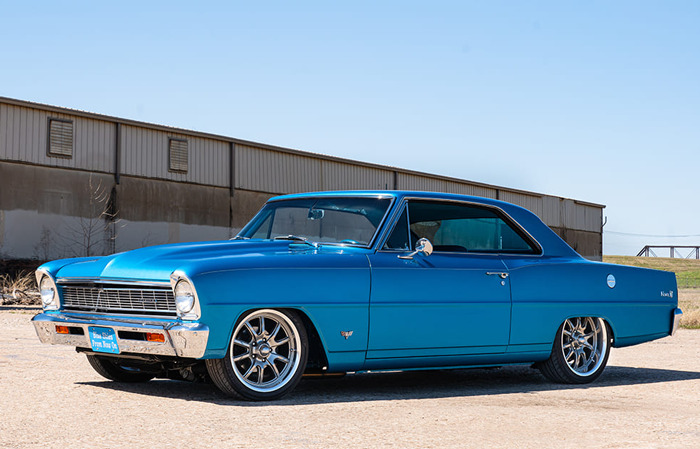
(580, 352)
(266, 358)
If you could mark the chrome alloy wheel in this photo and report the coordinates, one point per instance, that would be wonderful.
(265, 350)
(584, 344)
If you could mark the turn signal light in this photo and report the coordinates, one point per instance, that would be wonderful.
(62, 330)
(156, 338)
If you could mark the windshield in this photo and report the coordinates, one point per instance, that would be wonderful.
(345, 220)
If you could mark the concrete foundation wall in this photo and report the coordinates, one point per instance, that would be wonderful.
(48, 213)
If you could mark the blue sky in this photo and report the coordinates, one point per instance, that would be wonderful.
(597, 101)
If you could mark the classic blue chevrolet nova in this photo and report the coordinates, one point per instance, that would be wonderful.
(339, 282)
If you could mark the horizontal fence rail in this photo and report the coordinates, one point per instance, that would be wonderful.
(648, 251)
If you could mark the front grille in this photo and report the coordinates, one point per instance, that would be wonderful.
(119, 299)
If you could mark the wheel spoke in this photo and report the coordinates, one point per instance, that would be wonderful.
(275, 357)
(275, 331)
(246, 375)
(568, 356)
(279, 343)
(250, 329)
(271, 364)
(261, 369)
(261, 331)
(242, 343)
(238, 358)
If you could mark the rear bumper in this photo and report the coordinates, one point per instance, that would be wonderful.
(677, 314)
(180, 339)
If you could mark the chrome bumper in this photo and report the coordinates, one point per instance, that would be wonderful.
(677, 314)
(181, 339)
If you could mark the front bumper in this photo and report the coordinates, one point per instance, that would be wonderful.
(181, 339)
(677, 314)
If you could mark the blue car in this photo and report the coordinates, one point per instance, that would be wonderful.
(337, 282)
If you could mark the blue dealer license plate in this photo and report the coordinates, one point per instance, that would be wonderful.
(103, 339)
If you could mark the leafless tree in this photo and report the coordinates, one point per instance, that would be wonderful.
(96, 233)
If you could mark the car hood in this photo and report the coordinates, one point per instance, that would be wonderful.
(156, 263)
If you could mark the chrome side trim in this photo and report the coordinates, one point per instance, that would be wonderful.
(677, 314)
(117, 281)
(181, 339)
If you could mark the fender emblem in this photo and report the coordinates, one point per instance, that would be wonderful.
(346, 334)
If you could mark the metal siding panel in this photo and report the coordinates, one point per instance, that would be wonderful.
(551, 211)
(146, 154)
(275, 172)
(340, 176)
(569, 211)
(93, 147)
(416, 182)
(530, 202)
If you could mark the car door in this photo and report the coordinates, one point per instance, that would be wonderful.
(455, 301)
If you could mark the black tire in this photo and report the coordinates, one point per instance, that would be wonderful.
(271, 345)
(112, 370)
(580, 353)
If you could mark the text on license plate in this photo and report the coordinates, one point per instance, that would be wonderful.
(103, 339)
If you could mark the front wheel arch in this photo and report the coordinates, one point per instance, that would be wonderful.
(318, 357)
(266, 355)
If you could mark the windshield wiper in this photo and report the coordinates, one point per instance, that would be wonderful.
(296, 238)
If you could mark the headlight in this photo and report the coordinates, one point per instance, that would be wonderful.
(184, 297)
(47, 289)
(186, 300)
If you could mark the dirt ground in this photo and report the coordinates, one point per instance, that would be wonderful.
(648, 397)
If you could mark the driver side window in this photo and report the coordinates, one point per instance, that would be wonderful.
(399, 236)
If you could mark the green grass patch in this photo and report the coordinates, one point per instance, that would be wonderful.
(687, 270)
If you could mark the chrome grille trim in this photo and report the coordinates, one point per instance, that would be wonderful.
(118, 299)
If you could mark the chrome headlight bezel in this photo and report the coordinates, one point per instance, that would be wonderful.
(187, 308)
(44, 278)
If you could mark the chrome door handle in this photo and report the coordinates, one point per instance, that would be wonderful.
(500, 274)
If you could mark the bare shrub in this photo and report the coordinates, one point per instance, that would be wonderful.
(19, 289)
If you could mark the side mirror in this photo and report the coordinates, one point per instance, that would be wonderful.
(423, 246)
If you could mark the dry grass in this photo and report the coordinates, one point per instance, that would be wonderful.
(689, 302)
(19, 289)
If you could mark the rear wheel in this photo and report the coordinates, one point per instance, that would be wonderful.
(580, 351)
(113, 370)
(266, 358)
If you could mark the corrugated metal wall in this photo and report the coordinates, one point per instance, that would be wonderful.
(339, 176)
(270, 171)
(410, 181)
(275, 172)
(145, 154)
(24, 132)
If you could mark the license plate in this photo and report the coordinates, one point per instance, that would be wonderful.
(103, 339)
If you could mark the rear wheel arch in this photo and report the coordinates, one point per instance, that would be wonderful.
(580, 350)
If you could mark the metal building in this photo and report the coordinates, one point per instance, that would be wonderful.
(75, 183)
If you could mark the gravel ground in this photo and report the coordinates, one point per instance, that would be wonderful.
(648, 397)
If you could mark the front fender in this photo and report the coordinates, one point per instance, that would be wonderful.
(335, 299)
